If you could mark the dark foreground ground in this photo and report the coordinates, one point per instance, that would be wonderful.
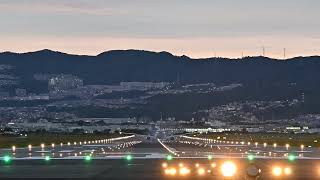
(147, 169)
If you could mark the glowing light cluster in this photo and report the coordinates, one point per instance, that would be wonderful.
(279, 171)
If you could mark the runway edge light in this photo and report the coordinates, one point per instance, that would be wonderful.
(87, 158)
(251, 157)
(291, 157)
(47, 158)
(129, 157)
(6, 159)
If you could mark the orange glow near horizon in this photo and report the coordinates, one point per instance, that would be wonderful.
(193, 47)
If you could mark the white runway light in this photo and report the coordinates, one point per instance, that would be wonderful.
(184, 171)
(287, 171)
(228, 169)
(277, 171)
(201, 171)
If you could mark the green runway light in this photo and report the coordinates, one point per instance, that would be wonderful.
(47, 158)
(169, 157)
(87, 158)
(250, 157)
(209, 157)
(128, 157)
(7, 159)
(291, 157)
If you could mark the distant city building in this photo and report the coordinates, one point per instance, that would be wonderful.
(143, 85)
(64, 82)
(4, 94)
(43, 77)
(21, 92)
(293, 128)
(302, 97)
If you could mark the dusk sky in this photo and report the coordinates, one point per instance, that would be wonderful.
(197, 28)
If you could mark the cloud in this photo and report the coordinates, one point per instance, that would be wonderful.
(59, 6)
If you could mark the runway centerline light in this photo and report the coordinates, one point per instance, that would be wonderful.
(228, 169)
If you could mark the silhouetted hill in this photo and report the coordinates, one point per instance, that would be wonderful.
(135, 65)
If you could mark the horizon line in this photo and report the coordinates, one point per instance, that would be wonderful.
(151, 51)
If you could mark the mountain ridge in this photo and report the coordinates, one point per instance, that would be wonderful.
(117, 66)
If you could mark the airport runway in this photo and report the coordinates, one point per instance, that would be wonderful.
(138, 158)
(148, 169)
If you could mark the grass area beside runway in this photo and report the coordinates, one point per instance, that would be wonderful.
(35, 139)
(270, 138)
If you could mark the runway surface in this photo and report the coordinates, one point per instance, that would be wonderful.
(138, 158)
